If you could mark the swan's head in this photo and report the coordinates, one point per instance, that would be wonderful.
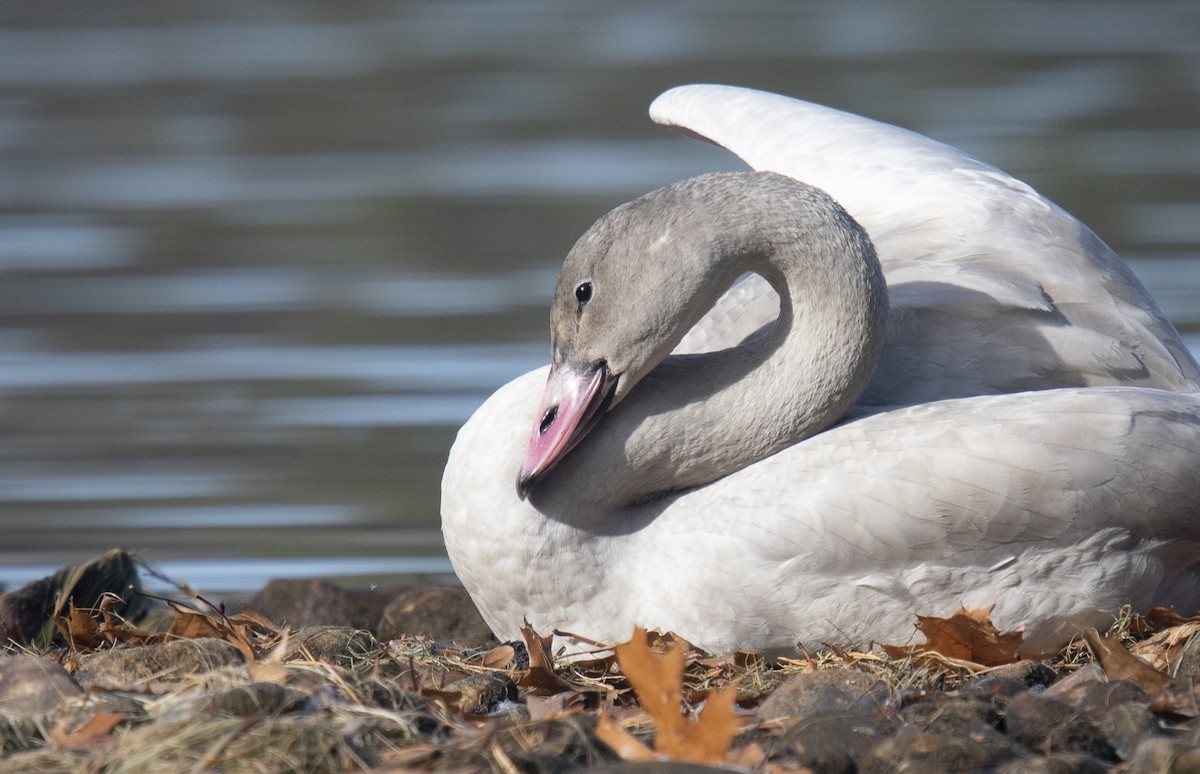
(629, 290)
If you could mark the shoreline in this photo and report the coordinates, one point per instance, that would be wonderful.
(307, 676)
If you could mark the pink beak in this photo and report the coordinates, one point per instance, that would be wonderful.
(573, 403)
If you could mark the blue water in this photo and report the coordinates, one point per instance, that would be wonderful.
(259, 261)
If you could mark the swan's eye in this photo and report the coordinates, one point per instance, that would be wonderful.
(583, 293)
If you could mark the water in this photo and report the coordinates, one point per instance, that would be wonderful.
(259, 261)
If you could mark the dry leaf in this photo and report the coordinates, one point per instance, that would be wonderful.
(750, 757)
(658, 682)
(620, 741)
(540, 676)
(89, 736)
(1177, 699)
(1120, 664)
(663, 642)
(967, 636)
(83, 631)
(560, 705)
(79, 629)
(499, 657)
(189, 624)
(1164, 617)
(252, 617)
(1164, 648)
(268, 672)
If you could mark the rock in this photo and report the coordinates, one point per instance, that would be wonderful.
(302, 602)
(1047, 725)
(1034, 675)
(655, 767)
(951, 715)
(45, 762)
(921, 752)
(1188, 667)
(833, 742)
(26, 614)
(486, 694)
(339, 645)
(445, 615)
(32, 686)
(385, 693)
(133, 668)
(1160, 755)
(997, 691)
(1059, 763)
(830, 690)
(1096, 699)
(1002, 683)
(75, 712)
(1126, 725)
(293, 742)
(249, 700)
(1179, 698)
(1072, 686)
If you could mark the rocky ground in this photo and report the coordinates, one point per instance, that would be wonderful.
(309, 677)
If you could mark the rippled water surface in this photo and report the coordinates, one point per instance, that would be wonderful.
(258, 261)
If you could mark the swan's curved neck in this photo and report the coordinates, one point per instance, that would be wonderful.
(695, 418)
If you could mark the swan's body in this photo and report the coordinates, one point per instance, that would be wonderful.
(718, 497)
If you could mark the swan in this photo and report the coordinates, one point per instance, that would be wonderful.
(870, 379)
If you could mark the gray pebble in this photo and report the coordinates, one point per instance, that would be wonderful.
(133, 668)
(1046, 725)
(1126, 725)
(830, 690)
(32, 686)
(1059, 763)
(444, 615)
(831, 742)
(921, 752)
(1160, 755)
(341, 645)
(1189, 659)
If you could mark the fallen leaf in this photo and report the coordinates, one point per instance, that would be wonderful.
(190, 624)
(1164, 617)
(1120, 664)
(79, 629)
(269, 672)
(540, 676)
(967, 636)
(661, 643)
(499, 657)
(1163, 649)
(560, 705)
(1178, 699)
(658, 682)
(89, 736)
(620, 741)
(750, 757)
(252, 617)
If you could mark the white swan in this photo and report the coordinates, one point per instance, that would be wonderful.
(1021, 428)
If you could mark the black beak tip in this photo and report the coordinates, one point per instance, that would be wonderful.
(525, 484)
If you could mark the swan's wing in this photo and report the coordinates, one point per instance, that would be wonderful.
(1057, 506)
(740, 311)
(993, 288)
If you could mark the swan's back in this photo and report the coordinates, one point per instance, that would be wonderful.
(993, 288)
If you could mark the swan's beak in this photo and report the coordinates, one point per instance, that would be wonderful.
(573, 403)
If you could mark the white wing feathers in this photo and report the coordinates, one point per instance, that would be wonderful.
(978, 264)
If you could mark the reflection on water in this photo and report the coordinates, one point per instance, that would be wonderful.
(259, 261)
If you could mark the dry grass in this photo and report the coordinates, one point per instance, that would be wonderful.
(403, 706)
